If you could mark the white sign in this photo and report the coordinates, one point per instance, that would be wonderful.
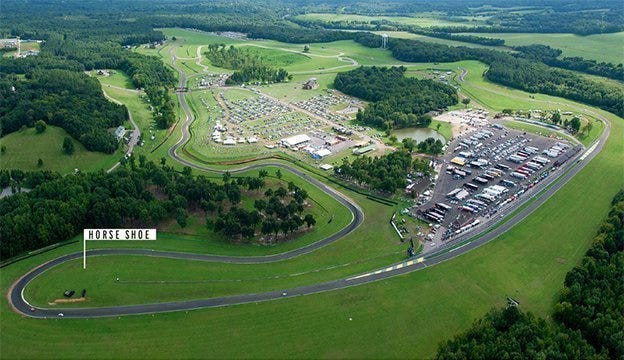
(115, 235)
(119, 234)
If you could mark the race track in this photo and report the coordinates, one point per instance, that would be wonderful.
(454, 248)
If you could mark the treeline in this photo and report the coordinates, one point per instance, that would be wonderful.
(281, 210)
(249, 67)
(396, 100)
(386, 173)
(385, 25)
(71, 100)
(588, 318)
(550, 56)
(429, 146)
(514, 72)
(459, 37)
(137, 194)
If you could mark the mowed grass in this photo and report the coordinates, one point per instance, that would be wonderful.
(411, 313)
(25, 147)
(600, 47)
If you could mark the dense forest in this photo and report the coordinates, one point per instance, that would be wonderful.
(588, 318)
(550, 56)
(71, 100)
(58, 208)
(249, 67)
(396, 101)
(386, 173)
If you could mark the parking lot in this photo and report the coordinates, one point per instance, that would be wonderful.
(482, 175)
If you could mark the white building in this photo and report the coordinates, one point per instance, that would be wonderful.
(295, 140)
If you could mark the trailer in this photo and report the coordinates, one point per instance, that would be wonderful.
(508, 183)
(515, 158)
(541, 160)
(532, 165)
(488, 177)
(486, 197)
(434, 217)
(453, 192)
(443, 206)
(480, 180)
(471, 186)
(460, 173)
(476, 202)
(466, 208)
(503, 167)
(518, 175)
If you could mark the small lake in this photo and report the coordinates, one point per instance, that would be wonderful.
(418, 134)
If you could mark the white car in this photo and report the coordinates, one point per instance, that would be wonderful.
(60, 314)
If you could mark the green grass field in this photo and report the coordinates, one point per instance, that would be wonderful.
(425, 20)
(600, 47)
(24, 148)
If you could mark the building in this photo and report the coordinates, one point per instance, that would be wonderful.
(320, 153)
(120, 132)
(229, 141)
(310, 84)
(326, 167)
(295, 140)
(363, 150)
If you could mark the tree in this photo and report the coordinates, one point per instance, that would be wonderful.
(575, 124)
(393, 139)
(226, 176)
(40, 126)
(556, 118)
(39, 162)
(278, 174)
(182, 217)
(587, 128)
(309, 220)
(306, 48)
(2, 149)
(438, 126)
(409, 144)
(68, 145)
(466, 101)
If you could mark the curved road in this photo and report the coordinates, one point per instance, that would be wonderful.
(17, 300)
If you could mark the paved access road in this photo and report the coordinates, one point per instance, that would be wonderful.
(19, 304)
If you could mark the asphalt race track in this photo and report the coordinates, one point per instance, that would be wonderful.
(455, 248)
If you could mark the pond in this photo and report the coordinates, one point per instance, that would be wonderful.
(418, 134)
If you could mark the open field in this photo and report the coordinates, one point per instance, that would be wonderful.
(425, 20)
(600, 47)
(24, 148)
